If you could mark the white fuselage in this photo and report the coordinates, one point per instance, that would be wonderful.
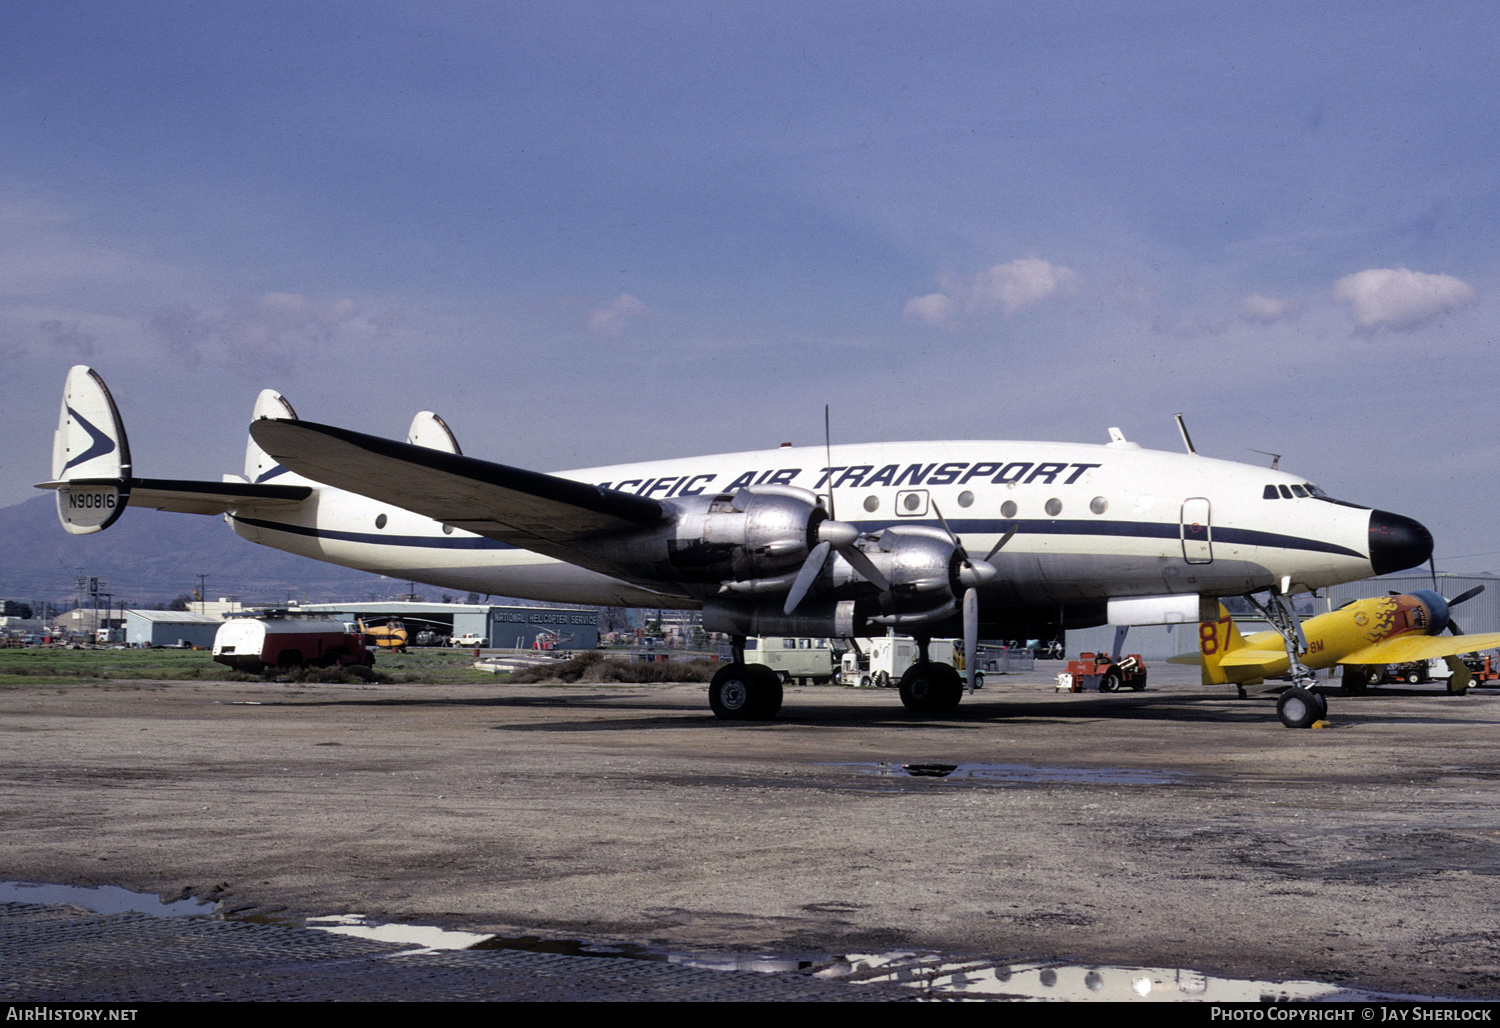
(1092, 521)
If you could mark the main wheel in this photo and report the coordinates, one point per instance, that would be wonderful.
(1299, 708)
(931, 688)
(1138, 684)
(1355, 681)
(745, 692)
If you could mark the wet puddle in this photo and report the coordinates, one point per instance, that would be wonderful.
(1023, 773)
(104, 899)
(935, 974)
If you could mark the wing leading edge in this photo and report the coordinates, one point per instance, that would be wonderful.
(528, 509)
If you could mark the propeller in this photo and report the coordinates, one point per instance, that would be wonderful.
(833, 535)
(1467, 594)
(972, 574)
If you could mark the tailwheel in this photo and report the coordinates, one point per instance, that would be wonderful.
(931, 688)
(1300, 708)
(745, 692)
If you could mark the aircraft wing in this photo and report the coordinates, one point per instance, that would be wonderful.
(189, 497)
(537, 512)
(1406, 648)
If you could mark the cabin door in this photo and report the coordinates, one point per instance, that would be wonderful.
(1197, 532)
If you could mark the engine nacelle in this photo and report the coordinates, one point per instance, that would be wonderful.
(746, 537)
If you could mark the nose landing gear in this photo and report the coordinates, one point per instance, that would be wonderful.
(1302, 705)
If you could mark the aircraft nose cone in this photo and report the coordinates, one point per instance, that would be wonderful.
(1397, 542)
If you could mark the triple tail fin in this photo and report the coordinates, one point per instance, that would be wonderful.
(93, 476)
(90, 455)
(260, 466)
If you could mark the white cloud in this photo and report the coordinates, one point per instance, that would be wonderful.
(272, 327)
(1003, 287)
(1397, 298)
(611, 320)
(1268, 309)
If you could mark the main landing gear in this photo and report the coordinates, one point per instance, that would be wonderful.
(928, 687)
(744, 692)
(1302, 705)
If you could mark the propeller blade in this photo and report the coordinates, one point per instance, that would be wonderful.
(963, 554)
(1467, 594)
(806, 576)
(828, 453)
(971, 634)
(1010, 534)
(1432, 566)
(861, 563)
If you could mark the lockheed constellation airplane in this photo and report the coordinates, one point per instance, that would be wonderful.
(1074, 534)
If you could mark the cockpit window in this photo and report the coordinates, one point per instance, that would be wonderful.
(1314, 490)
(1300, 492)
(1285, 492)
(1270, 493)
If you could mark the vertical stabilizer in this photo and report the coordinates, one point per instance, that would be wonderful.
(260, 466)
(1217, 636)
(431, 431)
(90, 455)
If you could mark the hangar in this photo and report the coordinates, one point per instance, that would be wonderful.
(502, 626)
(170, 628)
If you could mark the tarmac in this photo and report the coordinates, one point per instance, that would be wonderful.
(1178, 828)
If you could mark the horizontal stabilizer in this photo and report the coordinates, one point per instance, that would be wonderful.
(182, 496)
(538, 512)
(1258, 659)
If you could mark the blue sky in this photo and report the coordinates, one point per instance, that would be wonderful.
(589, 233)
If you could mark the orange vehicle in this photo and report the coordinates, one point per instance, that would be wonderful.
(1096, 672)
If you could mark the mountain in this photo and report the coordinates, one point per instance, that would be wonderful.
(150, 556)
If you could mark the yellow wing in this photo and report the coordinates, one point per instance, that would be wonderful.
(1406, 648)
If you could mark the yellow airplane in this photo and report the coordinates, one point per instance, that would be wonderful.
(1384, 630)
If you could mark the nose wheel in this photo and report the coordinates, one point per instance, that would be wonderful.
(1301, 708)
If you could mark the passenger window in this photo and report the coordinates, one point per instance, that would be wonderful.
(912, 503)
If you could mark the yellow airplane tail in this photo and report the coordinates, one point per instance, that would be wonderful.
(1217, 637)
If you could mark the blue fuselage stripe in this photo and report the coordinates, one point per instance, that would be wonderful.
(972, 527)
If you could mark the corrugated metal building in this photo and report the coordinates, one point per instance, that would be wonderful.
(170, 628)
(503, 626)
